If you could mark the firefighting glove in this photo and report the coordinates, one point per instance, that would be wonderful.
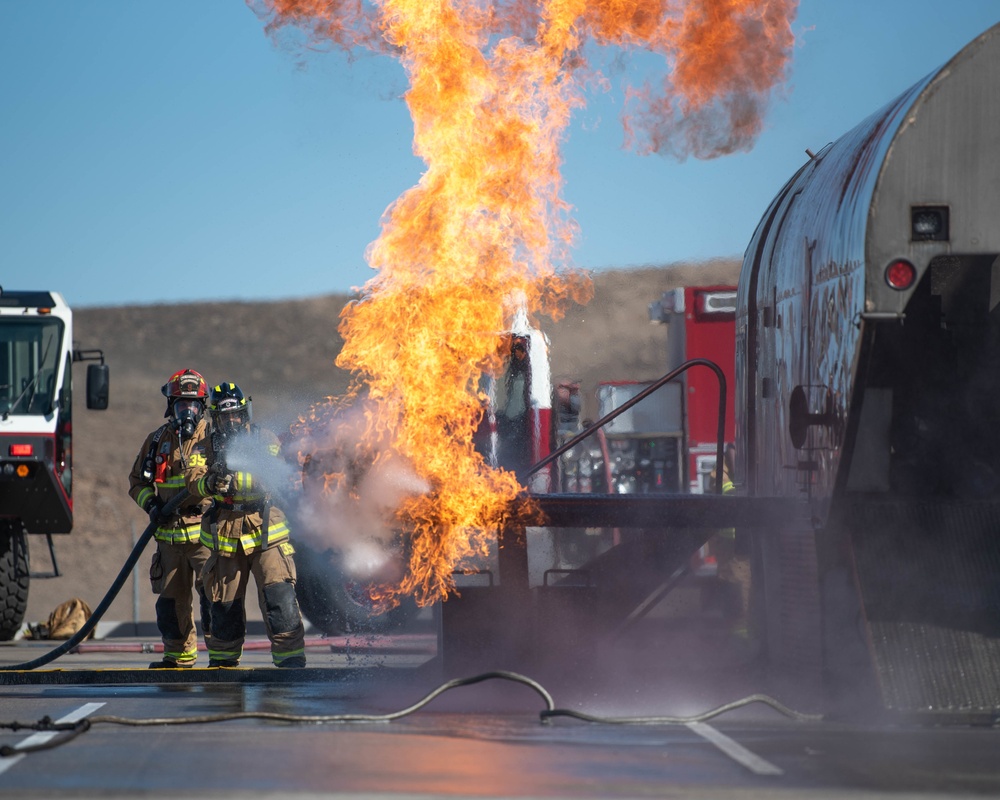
(152, 507)
(221, 483)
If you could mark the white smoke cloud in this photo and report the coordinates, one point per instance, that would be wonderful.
(355, 514)
(249, 453)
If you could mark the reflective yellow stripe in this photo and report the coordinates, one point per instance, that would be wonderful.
(144, 494)
(276, 534)
(224, 546)
(277, 658)
(187, 657)
(185, 534)
(225, 655)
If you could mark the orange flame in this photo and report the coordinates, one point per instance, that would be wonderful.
(492, 90)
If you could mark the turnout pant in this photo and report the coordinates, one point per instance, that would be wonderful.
(175, 574)
(226, 580)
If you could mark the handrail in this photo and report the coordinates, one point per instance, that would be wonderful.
(694, 362)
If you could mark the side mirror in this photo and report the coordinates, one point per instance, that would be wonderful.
(98, 386)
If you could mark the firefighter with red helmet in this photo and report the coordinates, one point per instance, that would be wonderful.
(156, 477)
(238, 466)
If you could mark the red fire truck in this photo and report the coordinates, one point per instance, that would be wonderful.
(666, 443)
(702, 322)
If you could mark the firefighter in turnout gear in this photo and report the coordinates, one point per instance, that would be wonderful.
(156, 477)
(733, 563)
(246, 533)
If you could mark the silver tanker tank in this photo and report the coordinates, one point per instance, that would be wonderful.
(868, 381)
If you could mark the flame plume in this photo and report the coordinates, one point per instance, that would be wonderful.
(492, 87)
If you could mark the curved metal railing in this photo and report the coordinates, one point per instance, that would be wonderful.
(694, 362)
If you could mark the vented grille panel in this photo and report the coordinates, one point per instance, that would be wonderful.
(930, 582)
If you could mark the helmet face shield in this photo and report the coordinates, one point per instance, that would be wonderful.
(230, 421)
(230, 408)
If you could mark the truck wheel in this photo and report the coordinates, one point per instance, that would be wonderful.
(14, 577)
(334, 603)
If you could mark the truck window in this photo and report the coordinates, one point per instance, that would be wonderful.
(29, 360)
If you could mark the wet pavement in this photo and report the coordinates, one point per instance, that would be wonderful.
(381, 717)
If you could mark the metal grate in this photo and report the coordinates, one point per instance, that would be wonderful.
(930, 581)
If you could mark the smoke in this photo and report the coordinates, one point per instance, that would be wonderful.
(252, 454)
(341, 494)
(350, 493)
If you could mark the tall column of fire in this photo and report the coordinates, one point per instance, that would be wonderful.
(492, 88)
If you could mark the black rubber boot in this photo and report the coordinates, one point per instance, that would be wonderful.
(166, 664)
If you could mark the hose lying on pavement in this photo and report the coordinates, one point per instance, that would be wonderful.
(70, 730)
(126, 570)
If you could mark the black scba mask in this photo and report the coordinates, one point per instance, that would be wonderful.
(187, 414)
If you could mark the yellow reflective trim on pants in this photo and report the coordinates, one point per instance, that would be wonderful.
(277, 658)
(181, 658)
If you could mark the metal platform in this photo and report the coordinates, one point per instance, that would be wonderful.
(664, 511)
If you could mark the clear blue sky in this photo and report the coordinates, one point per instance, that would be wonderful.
(169, 152)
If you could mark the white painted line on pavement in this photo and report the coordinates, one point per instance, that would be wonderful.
(6, 762)
(735, 751)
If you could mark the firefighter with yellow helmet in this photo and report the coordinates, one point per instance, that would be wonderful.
(246, 533)
(156, 477)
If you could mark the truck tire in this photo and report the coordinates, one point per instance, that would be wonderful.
(337, 605)
(14, 578)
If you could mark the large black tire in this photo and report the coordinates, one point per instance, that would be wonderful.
(14, 579)
(337, 605)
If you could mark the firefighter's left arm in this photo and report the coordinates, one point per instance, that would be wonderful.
(141, 488)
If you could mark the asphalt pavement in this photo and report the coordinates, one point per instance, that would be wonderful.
(381, 716)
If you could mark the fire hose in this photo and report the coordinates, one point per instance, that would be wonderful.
(172, 505)
(70, 730)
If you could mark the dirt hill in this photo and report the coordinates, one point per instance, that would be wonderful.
(282, 354)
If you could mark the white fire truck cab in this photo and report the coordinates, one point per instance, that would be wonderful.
(36, 430)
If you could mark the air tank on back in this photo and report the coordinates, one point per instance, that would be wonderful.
(868, 379)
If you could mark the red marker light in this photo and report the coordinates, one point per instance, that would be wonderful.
(900, 274)
(21, 450)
